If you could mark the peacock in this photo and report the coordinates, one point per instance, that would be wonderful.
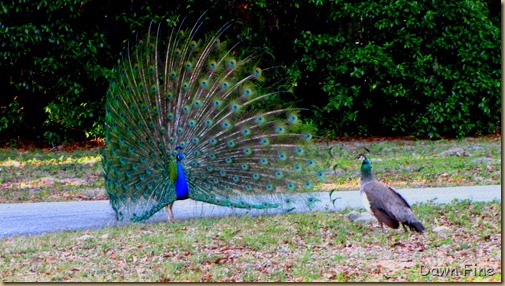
(184, 119)
(384, 202)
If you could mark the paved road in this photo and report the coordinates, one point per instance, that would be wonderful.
(36, 218)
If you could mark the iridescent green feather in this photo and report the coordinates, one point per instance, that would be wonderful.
(178, 90)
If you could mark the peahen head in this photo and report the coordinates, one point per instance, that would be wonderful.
(366, 167)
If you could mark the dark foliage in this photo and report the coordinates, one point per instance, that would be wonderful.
(422, 68)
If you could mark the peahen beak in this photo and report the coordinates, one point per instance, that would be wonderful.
(360, 157)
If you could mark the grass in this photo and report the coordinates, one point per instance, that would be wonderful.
(321, 246)
(37, 175)
(421, 163)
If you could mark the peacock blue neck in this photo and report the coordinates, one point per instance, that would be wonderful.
(181, 185)
(366, 170)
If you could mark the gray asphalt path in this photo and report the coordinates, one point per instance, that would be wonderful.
(36, 218)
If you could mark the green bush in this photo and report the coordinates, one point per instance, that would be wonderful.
(56, 58)
(51, 54)
(423, 68)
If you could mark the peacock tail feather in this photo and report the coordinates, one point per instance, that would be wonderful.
(185, 111)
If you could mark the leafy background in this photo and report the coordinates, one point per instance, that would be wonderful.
(390, 68)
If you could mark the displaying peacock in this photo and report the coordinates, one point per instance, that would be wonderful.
(183, 122)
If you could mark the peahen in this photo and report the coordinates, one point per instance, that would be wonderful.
(183, 121)
(383, 202)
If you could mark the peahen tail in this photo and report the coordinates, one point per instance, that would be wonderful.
(183, 121)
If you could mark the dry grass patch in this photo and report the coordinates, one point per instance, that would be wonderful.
(321, 246)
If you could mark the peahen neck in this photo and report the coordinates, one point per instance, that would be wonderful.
(366, 171)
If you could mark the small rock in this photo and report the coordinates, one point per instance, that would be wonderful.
(84, 237)
(48, 180)
(441, 229)
(482, 160)
(454, 152)
(93, 192)
(474, 147)
(366, 217)
(356, 216)
(37, 155)
(72, 181)
(352, 216)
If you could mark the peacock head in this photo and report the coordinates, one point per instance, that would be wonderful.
(179, 155)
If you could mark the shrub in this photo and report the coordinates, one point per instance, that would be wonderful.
(422, 68)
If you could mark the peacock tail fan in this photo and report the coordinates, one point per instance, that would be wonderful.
(190, 93)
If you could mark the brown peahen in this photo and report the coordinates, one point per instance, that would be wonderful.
(383, 202)
(183, 122)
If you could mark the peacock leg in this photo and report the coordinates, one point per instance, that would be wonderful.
(170, 213)
(404, 228)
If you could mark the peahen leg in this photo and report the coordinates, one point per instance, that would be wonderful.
(170, 214)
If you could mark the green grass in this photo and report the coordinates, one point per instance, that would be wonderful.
(37, 175)
(419, 164)
(320, 246)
